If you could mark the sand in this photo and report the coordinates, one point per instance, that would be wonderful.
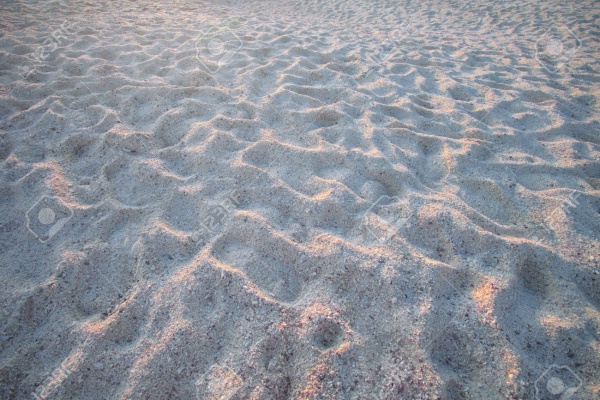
(299, 199)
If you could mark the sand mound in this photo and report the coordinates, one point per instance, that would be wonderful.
(299, 200)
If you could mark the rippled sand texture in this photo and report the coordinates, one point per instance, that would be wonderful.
(339, 200)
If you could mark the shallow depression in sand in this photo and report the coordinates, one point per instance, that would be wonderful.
(299, 199)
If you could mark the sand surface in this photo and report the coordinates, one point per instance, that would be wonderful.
(299, 199)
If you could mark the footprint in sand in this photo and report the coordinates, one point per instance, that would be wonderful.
(274, 277)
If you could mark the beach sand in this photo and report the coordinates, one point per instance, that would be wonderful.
(299, 199)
